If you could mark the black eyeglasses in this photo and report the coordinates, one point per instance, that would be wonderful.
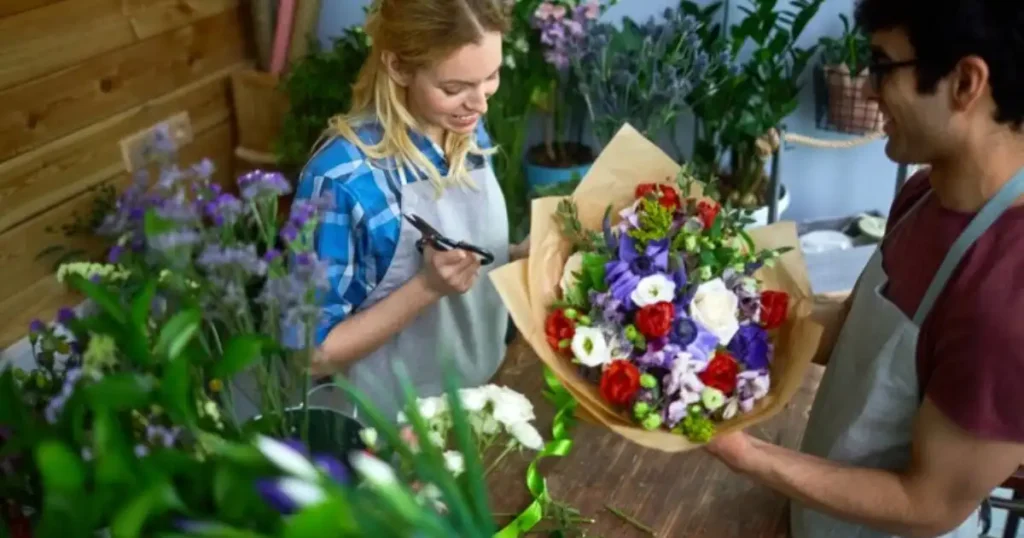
(877, 70)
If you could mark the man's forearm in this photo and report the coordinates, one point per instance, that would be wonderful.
(878, 499)
(364, 332)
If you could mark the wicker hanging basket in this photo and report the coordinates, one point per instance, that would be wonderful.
(847, 106)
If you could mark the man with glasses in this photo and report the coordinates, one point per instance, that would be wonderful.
(920, 413)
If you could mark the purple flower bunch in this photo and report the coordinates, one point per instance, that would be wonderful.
(563, 28)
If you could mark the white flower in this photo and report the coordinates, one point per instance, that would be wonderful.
(731, 408)
(484, 424)
(432, 408)
(715, 307)
(368, 436)
(590, 347)
(301, 492)
(286, 458)
(569, 273)
(371, 469)
(474, 399)
(511, 407)
(526, 435)
(656, 288)
(454, 462)
(436, 438)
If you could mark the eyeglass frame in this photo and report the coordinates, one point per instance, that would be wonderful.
(878, 70)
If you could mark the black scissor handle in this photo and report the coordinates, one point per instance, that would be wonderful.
(444, 244)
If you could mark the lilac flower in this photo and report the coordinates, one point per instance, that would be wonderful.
(693, 338)
(204, 169)
(115, 254)
(332, 467)
(36, 326)
(170, 177)
(65, 316)
(141, 451)
(232, 260)
(270, 255)
(625, 273)
(165, 437)
(170, 241)
(682, 380)
(609, 308)
(659, 355)
(224, 210)
(289, 233)
(751, 347)
(751, 386)
(177, 209)
(257, 184)
(56, 405)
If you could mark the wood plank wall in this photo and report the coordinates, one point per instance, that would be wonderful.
(77, 76)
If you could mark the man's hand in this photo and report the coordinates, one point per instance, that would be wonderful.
(950, 473)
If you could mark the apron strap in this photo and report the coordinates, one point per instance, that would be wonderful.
(992, 210)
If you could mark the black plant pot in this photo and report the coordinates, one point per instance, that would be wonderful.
(331, 433)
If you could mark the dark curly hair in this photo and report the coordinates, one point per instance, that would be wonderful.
(943, 32)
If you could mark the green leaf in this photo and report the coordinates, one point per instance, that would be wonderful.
(61, 469)
(141, 307)
(99, 295)
(240, 352)
(156, 500)
(177, 333)
(176, 390)
(121, 391)
(331, 518)
(153, 225)
(113, 456)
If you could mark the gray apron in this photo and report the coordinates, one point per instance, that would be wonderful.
(865, 406)
(468, 329)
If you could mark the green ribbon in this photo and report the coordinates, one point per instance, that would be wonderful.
(559, 446)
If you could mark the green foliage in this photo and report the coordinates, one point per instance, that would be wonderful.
(852, 48)
(319, 87)
(655, 221)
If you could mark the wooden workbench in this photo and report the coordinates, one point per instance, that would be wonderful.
(689, 495)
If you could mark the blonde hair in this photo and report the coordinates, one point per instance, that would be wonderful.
(419, 33)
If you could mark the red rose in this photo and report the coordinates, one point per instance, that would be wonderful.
(721, 373)
(558, 328)
(654, 321)
(619, 382)
(774, 309)
(666, 195)
(708, 211)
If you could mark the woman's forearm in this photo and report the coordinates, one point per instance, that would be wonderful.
(364, 332)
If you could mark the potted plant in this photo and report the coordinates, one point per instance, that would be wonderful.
(844, 70)
(562, 27)
(735, 142)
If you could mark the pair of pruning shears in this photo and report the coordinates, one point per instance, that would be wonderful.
(440, 242)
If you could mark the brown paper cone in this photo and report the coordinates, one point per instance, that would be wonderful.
(529, 286)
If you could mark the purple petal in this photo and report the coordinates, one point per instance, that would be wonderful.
(277, 499)
(332, 467)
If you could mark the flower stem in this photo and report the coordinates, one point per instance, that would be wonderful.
(630, 519)
(508, 449)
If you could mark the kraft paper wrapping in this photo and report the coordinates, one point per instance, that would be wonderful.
(529, 286)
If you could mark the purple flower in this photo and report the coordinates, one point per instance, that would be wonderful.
(332, 467)
(751, 386)
(57, 403)
(36, 326)
(65, 316)
(257, 184)
(232, 260)
(610, 309)
(176, 209)
(170, 241)
(161, 435)
(694, 338)
(271, 255)
(751, 347)
(276, 497)
(224, 210)
(115, 254)
(204, 169)
(659, 355)
(289, 232)
(624, 274)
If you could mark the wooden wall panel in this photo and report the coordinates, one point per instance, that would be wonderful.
(40, 41)
(55, 105)
(13, 7)
(39, 179)
(29, 289)
(151, 17)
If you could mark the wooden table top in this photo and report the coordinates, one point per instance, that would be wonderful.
(688, 495)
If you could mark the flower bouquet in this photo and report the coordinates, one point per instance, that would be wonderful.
(655, 308)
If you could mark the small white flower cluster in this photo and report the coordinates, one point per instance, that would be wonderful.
(88, 270)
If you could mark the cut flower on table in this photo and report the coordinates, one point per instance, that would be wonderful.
(664, 316)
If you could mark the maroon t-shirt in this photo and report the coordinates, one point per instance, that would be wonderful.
(970, 353)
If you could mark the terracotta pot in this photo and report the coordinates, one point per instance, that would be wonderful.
(849, 110)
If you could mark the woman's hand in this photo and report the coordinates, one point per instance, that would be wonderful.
(518, 251)
(449, 272)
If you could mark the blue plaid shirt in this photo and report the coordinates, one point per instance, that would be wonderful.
(358, 236)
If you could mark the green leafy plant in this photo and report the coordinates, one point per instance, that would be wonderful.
(767, 84)
(851, 48)
(319, 87)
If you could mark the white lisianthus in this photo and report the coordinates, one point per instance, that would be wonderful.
(286, 458)
(511, 407)
(590, 347)
(526, 435)
(371, 469)
(454, 462)
(656, 288)
(300, 492)
(569, 273)
(474, 399)
(715, 307)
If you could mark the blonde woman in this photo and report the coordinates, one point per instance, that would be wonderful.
(414, 145)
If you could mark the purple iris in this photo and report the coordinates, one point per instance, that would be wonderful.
(694, 338)
(750, 346)
(624, 274)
